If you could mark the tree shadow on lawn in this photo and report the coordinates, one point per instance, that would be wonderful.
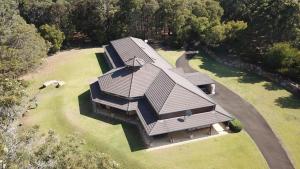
(220, 70)
(131, 132)
(291, 102)
(272, 86)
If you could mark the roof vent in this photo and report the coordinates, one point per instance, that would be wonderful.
(187, 114)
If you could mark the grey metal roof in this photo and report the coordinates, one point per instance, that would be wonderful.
(154, 126)
(156, 88)
(167, 96)
(135, 62)
(149, 51)
(127, 82)
(128, 49)
(101, 97)
(113, 56)
(178, 70)
(198, 78)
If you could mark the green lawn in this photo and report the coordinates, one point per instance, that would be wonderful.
(170, 55)
(67, 110)
(278, 106)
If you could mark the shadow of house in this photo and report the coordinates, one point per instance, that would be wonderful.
(131, 131)
(133, 137)
(85, 108)
(291, 102)
(102, 62)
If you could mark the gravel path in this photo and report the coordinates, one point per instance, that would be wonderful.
(253, 122)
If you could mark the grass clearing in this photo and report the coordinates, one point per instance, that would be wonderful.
(279, 107)
(170, 55)
(67, 110)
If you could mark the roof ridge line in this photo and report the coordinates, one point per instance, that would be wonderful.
(130, 83)
(154, 78)
(141, 48)
(130, 90)
(183, 86)
(162, 70)
(167, 98)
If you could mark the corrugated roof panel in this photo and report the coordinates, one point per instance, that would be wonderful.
(142, 79)
(148, 50)
(128, 49)
(181, 99)
(186, 84)
(105, 99)
(113, 56)
(198, 78)
(183, 123)
(154, 126)
(159, 91)
(127, 82)
(116, 82)
(146, 115)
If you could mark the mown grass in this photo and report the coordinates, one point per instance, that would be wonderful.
(170, 55)
(279, 107)
(67, 110)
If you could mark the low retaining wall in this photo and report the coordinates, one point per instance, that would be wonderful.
(283, 82)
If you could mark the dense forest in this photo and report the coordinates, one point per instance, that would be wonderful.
(263, 32)
(255, 31)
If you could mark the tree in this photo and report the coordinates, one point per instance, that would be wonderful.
(30, 149)
(53, 35)
(21, 47)
(49, 12)
(284, 58)
(89, 17)
(269, 21)
(21, 50)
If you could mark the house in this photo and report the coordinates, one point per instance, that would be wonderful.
(164, 99)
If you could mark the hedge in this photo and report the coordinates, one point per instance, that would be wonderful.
(235, 126)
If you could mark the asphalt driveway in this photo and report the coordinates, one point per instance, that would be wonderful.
(253, 122)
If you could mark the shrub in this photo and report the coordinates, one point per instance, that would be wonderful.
(285, 59)
(235, 126)
(53, 35)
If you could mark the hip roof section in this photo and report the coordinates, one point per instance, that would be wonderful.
(127, 82)
(167, 96)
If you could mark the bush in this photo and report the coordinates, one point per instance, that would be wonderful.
(235, 126)
(53, 35)
(278, 54)
(285, 59)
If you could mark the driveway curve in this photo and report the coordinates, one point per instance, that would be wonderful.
(253, 122)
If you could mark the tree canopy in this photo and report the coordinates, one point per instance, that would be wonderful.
(53, 35)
